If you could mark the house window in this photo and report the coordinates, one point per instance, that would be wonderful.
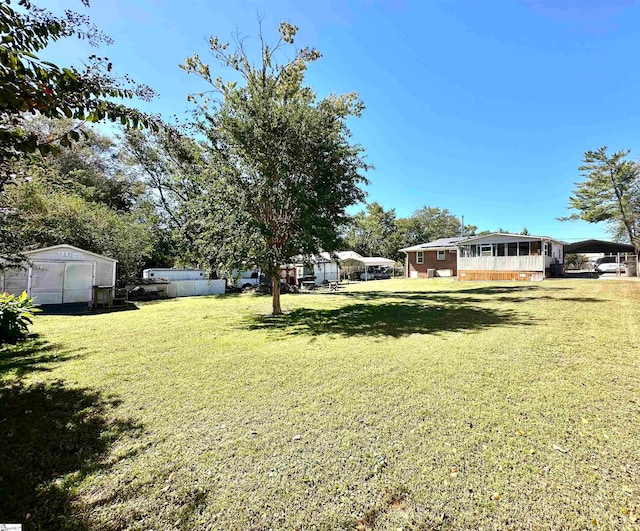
(486, 250)
(523, 249)
(547, 248)
(501, 249)
(512, 249)
(468, 251)
(420, 257)
(441, 255)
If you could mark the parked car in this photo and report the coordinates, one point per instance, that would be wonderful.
(608, 264)
(375, 274)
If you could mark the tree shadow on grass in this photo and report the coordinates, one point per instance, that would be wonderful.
(471, 296)
(33, 354)
(51, 438)
(393, 319)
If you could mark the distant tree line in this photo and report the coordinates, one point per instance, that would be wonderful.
(378, 232)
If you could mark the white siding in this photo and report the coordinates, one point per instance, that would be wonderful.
(15, 281)
(190, 288)
(61, 274)
(105, 269)
(174, 274)
(46, 282)
(501, 263)
(328, 271)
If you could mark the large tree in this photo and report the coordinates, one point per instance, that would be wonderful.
(282, 166)
(372, 232)
(610, 192)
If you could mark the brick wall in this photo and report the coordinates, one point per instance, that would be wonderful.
(431, 262)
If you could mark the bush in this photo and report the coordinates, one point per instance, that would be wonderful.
(575, 261)
(16, 314)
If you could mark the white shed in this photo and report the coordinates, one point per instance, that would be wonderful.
(60, 274)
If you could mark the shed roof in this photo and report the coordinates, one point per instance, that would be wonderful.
(435, 245)
(599, 246)
(67, 246)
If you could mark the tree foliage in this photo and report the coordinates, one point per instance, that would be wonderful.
(431, 223)
(83, 196)
(57, 217)
(30, 85)
(172, 166)
(281, 168)
(372, 232)
(610, 192)
(377, 232)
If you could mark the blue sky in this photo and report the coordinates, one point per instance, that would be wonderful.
(482, 108)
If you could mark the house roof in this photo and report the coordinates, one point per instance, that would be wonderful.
(503, 235)
(66, 246)
(599, 246)
(436, 245)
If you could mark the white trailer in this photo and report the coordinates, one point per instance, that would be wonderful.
(61, 274)
(174, 274)
(186, 282)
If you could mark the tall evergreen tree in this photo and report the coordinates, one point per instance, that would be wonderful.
(610, 192)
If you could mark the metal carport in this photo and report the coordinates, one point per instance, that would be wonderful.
(601, 246)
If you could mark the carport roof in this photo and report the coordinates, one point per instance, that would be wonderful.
(599, 246)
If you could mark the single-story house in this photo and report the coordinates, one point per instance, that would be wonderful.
(501, 256)
(61, 274)
(440, 256)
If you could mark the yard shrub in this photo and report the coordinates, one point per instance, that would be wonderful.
(16, 314)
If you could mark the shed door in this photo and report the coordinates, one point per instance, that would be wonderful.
(46, 280)
(78, 281)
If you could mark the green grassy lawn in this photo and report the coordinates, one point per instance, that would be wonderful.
(391, 405)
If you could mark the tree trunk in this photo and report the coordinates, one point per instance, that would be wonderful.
(275, 292)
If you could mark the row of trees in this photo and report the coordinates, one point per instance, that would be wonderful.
(377, 232)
